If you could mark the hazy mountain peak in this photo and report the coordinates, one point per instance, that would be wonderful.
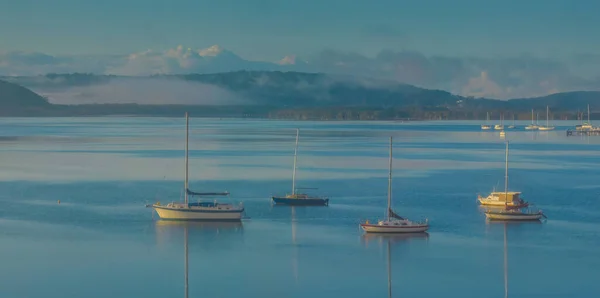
(211, 51)
(287, 60)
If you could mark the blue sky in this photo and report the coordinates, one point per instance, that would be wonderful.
(271, 29)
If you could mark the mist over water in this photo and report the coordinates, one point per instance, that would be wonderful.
(122, 90)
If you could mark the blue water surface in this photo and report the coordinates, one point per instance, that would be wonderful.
(101, 241)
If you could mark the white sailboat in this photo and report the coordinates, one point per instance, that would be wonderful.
(486, 126)
(393, 222)
(547, 127)
(511, 212)
(198, 210)
(501, 125)
(532, 126)
(513, 123)
(586, 125)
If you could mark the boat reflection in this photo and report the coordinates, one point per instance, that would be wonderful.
(389, 240)
(294, 246)
(393, 237)
(168, 231)
(505, 226)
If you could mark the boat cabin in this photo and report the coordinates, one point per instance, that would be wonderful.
(511, 196)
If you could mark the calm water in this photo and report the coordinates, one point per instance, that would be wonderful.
(100, 241)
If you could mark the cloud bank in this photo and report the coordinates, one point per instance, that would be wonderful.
(495, 77)
(142, 91)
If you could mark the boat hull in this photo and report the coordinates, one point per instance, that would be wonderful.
(513, 216)
(168, 213)
(496, 203)
(300, 202)
(369, 228)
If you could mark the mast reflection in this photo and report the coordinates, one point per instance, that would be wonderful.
(389, 240)
(167, 231)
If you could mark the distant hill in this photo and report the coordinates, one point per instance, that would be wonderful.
(290, 95)
(15, 96)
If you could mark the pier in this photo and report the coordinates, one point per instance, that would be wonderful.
(587, 132)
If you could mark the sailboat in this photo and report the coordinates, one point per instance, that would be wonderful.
(547, 127)
(513, 124)
(198, 210)
(505, 198)
(393, 222)
(532, 126)
(486, 126)
(511, 212)
(501, 125)
(586, 125)
(296, 198)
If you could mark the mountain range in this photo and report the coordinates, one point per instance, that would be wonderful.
(255, 92)
(493, 77)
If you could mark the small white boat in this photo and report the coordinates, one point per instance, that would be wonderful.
(198, 210)
(531, 126)
(486, 126)
(501, 125)
(511, 213)
(585, 125)
(547, 127)
(513, 124)
(393, 222)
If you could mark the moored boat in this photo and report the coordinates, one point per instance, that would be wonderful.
(515, 212)
(393, 222)
(295, 198)
(212, 211)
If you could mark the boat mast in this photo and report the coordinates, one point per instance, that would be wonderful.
(295, 159)
(531, 116)
(506, 178)
(389, 203)
(547, 115)
(589, 114)
(186, 155)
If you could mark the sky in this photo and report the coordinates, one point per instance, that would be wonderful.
(493, 48)
(271, 29)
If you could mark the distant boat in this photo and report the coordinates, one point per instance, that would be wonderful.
(513, 123)
(296, 198)
(585, 125)
(198, 210)
(393, 222)
(532, 126)
(501, 125)
(547, 127)
(486, 126)
(514, 212)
